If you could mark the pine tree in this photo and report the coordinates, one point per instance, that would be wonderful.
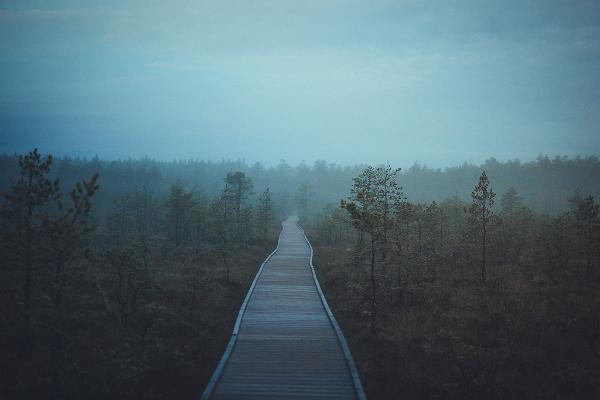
(241, 187)
(180, 205)
(362, 207)
(47, 235)
(25, 211)
(513, 224)
(434, 221)
(389, 196)
(482, 213)
(265, 213)
(586, 213)
(199, 215)
(127, 281)
(302, 198)
(66, 230)
(246, 226)
(223, 223)
(119, 219)
(511, 201)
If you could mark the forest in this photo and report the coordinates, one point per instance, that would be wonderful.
(122, 279)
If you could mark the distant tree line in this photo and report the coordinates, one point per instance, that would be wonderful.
(544, 183)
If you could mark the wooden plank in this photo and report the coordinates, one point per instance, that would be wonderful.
(219, 370)
(286, 343)
(342, 340)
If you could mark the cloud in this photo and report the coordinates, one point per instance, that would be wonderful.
(464, 77)
(33, 15)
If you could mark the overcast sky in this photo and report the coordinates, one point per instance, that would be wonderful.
(263, 80)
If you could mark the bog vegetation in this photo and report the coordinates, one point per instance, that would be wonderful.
(123, 279)
(135, 303)
(464, 298)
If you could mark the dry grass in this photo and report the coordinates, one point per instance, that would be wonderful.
(167, 349)
(443, 334)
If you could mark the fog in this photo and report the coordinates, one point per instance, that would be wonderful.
(344, 81)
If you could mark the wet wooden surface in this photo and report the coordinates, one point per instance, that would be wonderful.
(287, 346)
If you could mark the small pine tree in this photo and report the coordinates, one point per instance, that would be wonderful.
(180, 205)
(241, 187)
(586, 213)
(482, 213)
(511, 201)
(41, 234)
(302, 198)
(66, 230)
(246, 226)
(223, 223)
(24, 212)
(389, 197)
(264, 213)
(362, 207)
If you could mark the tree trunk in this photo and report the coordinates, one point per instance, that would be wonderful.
(399, 263)
(373, 289)
(146, 266)
(419, 237)
(176, 230)
(27, 288)
(588, 268)
(358, 252)
(504, 244)
(483, 253)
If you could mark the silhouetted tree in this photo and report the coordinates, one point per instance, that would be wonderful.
(119, 219)
(514, 223)
(302, 198)
(25, 211)
(482, 213)
(66, 230)
(511, 201)
(46, 235)
(265, 213)
(127, 281)
(199, 215)
(144, 215)
(180, 205)
(284, 206)
(366, 217)
(334, 225)
(223, 210)
(240, 186)
(246, 231)
(388, 196)
(434, 222)
(586, 213)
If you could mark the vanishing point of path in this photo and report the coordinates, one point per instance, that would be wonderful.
(286, 343)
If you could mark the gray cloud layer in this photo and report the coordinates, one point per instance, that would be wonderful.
(345, 81)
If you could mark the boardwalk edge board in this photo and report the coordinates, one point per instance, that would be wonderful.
(360, 394)
(236, 327)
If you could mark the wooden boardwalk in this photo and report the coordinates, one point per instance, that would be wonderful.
(285, 342)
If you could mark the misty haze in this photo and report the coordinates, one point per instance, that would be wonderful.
(311, 199)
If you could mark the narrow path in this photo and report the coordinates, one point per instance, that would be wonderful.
(286, 343)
